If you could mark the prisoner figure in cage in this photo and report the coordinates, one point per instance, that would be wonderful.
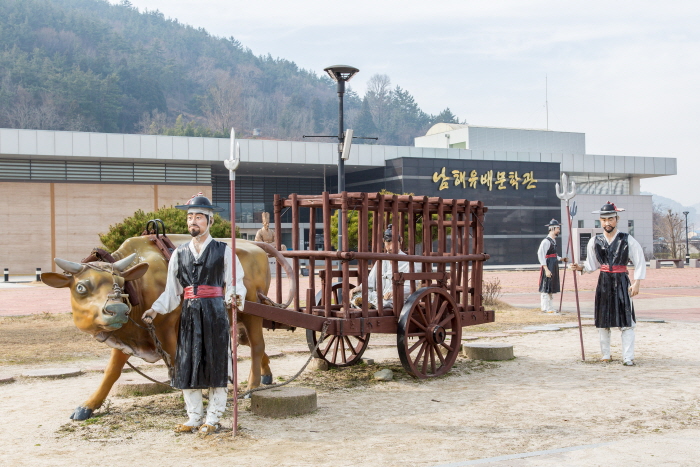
(549, 267)
(387, 273)
(265, 234)
(201, 270)
(610, 252)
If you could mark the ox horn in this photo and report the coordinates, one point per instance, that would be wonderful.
(68, 266)
(123, 263)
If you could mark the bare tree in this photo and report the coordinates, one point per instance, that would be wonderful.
(223, 106)
(669, 228)
(152, 123)
(379, 98)
(38, 114)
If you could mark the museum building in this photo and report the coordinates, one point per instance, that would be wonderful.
(63, 188)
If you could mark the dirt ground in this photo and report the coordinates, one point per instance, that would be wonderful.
(543, 400)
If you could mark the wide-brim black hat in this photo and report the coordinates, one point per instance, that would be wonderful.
(553, 223)
(608, 210)
(199, 201)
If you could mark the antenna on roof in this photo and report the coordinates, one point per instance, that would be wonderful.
(546, 101)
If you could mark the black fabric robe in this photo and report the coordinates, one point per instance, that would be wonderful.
(550, 284)
(613, 305)
(202, 356)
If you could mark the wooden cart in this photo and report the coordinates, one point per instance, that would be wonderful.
(445, 250)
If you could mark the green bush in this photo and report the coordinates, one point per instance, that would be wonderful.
(175, 221)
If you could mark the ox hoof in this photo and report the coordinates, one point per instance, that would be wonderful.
(266, 379)
(81, 413)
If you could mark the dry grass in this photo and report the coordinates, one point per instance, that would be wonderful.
(163, 411)
(157, 412)
(44, 338)
(509, 317)
(52, 338)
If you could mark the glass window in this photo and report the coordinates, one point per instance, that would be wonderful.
(580, 224)
(597, 223)
(630, 227)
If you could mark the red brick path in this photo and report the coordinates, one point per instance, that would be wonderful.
(672, 294)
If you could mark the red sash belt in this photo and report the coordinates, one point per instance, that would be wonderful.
(606, 268)
(551, 256)
(203, 291)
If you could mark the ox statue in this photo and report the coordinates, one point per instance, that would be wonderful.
(99, 309)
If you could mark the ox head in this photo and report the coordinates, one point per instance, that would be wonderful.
(96, 291)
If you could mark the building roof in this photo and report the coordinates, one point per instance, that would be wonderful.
(293, 157)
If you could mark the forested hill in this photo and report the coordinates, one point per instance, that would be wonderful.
(89, 65)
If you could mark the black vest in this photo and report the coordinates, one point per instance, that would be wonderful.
(615, 254)
(207, 270)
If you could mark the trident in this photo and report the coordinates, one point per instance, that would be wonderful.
(566, 193)
(232, 164)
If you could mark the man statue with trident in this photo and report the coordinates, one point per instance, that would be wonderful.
(610, 252)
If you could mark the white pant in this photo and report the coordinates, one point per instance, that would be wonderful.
(195, 406)
(627, 342)
(547, 302)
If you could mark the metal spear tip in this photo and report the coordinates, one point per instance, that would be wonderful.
(234, 155)
(566, 190)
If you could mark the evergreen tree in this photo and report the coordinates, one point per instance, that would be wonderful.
(446, 116)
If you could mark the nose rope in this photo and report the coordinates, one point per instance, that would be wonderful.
(117, 291)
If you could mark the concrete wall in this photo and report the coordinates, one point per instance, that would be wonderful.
(47, 220)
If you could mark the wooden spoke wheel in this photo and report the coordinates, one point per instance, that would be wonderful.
(338, 351)
(429, 333)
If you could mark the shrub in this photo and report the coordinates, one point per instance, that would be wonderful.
(491, 291)
(175, 221)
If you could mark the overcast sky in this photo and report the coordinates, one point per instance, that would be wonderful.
(626, 73)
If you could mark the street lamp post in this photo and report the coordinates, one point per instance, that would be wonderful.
(341, 74)
(687, 251)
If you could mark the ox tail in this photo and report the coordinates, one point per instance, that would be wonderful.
(272, 251)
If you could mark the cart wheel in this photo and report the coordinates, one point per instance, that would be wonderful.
(429, 333)
(338, 351)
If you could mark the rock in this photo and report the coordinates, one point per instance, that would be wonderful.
(368, 361)
(6, 379)
(283, 402)
(319, 364)
(650, 320)
(134, 386)
(296, 350)
(575, 324)
(489, 334)
(384, 375)
(491, 351)
(469, 338)
(101, 369)
(519, 331)
(542, 328)
(52, 373)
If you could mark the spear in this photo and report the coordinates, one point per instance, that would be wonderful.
(232, 164)
(568, 191)
(563, 282)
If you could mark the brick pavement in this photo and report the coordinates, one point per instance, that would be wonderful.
(667, 293)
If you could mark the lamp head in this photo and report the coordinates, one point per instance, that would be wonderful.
(341, 72)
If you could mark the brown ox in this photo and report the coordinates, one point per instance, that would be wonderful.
(111, 321)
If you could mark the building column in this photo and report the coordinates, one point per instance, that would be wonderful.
(634, 186)
(53, 226)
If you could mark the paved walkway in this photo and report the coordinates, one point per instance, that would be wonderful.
(667, 293)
